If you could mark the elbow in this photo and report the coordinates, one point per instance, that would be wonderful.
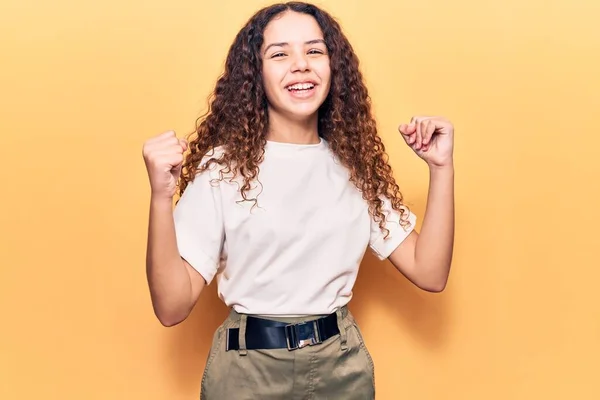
(170, 319)
(434, 287)
(166, 322)
(434, 284)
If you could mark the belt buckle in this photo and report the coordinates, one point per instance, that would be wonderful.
(301, 335)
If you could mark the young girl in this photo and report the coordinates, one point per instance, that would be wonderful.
(283, 189)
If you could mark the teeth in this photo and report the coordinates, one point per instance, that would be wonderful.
(301, 86)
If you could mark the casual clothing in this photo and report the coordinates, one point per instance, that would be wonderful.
(339, 368)
(298, 250)
(292, 257)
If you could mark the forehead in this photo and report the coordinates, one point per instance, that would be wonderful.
(292, 27)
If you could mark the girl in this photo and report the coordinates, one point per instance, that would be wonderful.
(282, 189)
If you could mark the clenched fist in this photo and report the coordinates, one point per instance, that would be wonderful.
(431, 138)
(163, 156)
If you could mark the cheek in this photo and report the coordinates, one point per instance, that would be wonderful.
(272, 79)
(266, 77)
(268, 86)
(324, 71)
(326, 82)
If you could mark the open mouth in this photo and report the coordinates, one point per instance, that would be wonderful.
(301, 87)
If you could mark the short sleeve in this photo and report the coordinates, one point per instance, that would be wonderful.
(382, 248)
(199, 229)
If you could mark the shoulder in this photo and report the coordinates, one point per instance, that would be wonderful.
(211, 157)
(207, 164)
(201, 170)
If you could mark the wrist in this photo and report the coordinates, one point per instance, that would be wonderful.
(161, 200)
(444, 168)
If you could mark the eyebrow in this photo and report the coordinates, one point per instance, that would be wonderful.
(282, 44)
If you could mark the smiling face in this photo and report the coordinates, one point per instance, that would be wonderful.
(296, 71)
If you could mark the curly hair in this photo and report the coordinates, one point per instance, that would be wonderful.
(237, 118)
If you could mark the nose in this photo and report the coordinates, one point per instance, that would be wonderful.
(300, 63)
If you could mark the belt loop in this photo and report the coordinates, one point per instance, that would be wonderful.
(242, 335)
(342, 328)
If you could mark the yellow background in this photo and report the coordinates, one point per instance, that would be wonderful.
(83, 84)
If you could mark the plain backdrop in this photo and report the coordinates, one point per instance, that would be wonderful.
(83, 84)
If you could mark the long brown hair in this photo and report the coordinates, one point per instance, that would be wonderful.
(237, 116)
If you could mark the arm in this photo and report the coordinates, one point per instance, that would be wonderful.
(174, 285)
(425, 258)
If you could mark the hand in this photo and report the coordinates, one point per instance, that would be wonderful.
(431, 138)
(163, 156)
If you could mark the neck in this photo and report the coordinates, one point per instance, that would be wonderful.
(297, 131)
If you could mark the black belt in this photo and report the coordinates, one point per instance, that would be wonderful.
(268, 334)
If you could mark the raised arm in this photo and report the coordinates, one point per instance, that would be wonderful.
(174, 285)
(425, 258)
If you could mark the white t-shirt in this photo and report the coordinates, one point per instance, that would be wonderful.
(297, 251)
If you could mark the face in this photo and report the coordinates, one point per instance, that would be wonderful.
(296, 71)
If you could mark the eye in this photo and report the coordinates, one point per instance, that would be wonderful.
(315, 51)
(278, 55)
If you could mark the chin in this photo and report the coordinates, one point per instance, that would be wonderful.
(303, 110)
(295, 109)
(300, 113)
